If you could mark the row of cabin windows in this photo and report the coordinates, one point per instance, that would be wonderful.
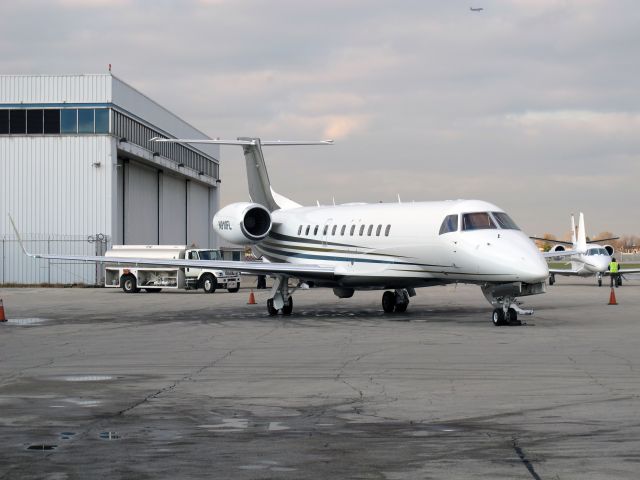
(352, 230)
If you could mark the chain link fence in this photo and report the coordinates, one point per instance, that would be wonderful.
(18, 269)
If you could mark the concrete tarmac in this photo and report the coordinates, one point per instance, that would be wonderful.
(95, 383)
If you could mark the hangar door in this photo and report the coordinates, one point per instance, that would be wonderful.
(140, 204)
(199, 218)
(173, 210)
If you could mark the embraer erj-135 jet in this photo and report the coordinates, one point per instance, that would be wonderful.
(396, 247)
(587, 257)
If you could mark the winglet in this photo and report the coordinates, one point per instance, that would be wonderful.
(19, 237)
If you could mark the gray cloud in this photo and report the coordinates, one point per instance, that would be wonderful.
(531, 104)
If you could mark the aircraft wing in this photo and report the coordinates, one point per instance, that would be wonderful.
(564, 253)
(258, 268)
(561, 242)
(562, 271)
(622, 271)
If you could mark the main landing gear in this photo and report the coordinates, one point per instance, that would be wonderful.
(552, 279)
(281, 299)
(398, 300)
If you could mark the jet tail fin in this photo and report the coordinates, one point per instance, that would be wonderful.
(581, 243)
(573, 231)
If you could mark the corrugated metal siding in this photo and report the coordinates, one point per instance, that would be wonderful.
(89, 88)
(56, 195)
(173, 210)
(142, 106)
(140, 204)
(198, 220)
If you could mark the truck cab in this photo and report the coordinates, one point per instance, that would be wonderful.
(209, 280)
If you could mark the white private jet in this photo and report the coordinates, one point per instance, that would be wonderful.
(587, 257)
(396, 247)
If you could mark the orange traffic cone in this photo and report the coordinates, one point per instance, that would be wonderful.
(252, 298)
(2, 317)
(612, 297)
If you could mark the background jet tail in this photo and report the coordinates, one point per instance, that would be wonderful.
(581, 244)
(573, 231)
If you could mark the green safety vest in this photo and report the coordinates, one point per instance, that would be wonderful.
(613, 267)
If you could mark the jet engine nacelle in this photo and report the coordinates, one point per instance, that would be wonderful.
(610, 250)
(557, 248)
(242, 223)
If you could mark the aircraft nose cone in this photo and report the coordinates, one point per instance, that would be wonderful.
(535, 269)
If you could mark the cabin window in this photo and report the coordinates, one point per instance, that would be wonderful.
(353, 229)
(307, 230)
(504, 221)
(299, 230)
(449, 224)
(361, 229)
(315, 231)
(369, 230)
(325, 230)
(477, 221)
(387, 230)
(378, 230)
(344, 227)
(333, 230)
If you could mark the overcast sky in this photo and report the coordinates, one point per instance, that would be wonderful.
(531, 104)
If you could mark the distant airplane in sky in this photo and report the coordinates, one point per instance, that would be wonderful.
(477, 9)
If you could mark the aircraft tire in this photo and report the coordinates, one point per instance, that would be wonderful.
(270, 308)
(552, 279)
(618, 281)
(388, 301)
(288, 307)
(512, 316)
(401, 307)
(498, 317)
(234, 290)
(599, 282)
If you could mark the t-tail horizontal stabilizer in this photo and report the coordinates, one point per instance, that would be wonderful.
(260, 189)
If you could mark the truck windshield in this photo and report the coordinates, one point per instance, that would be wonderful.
(210, 255)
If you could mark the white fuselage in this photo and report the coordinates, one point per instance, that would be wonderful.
(400, 245)
(595, 260)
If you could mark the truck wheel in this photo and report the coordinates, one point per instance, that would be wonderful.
(234, 290)
(209, 283)
(129, 284)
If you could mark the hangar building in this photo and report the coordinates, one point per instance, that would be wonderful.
(78, 174)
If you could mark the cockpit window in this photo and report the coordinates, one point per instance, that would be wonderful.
(449, 224)
(477, 221)
(504, 221)
(597, 251)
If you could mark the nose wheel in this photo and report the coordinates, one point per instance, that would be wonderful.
(500, 317)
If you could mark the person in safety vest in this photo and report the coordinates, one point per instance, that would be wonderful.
(614, 268)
